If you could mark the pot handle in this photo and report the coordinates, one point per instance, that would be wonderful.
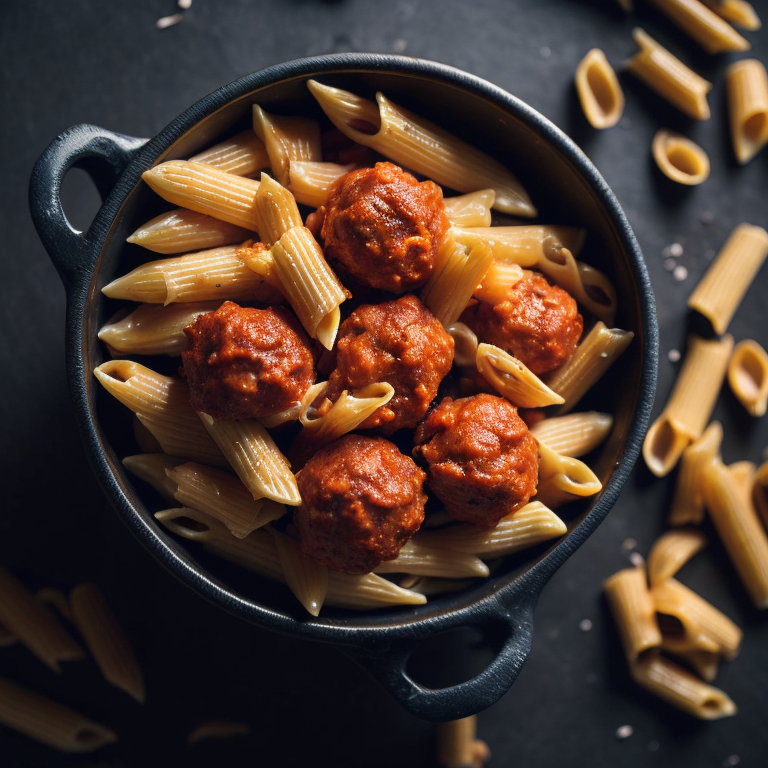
(104, 155)
(510, 626)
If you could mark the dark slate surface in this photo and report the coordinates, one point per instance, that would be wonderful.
(106, 63)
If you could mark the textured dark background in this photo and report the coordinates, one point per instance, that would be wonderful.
(106, 63)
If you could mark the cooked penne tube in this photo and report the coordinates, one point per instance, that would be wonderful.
(287, 139)
(243, 154)
(528, 526)
(748, 376)
(217, 729)
(760, 492)
(307, 579)
(597, 351)
(669, 77)
(258, 258)
(216, 274)
(710, 31)
(747, 85)
(735, 519)
(275, 210)
(151, 468)
(690, 404)
(422, 560)
(256, 459)
(450, 286)
(512, 379)
(49, 722)
(464, 345)
(470, 210)
(310, 285)
(681, 689)
(563, 479)
(181, 230)
(32, 623)
(162, 404)
(223, 497)
(153, 329)
(145, 440)
(106, 640)
(527, 245)
(600, 94)
(738, 12)
(500, 278)
(671, 551)
(416, 143)
(720, 291)
(310, 182)
(575, 434)
(679, 158)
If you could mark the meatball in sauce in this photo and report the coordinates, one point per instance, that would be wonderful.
(400, 342)
(246, 363)
(483, 462)
(384, 227)
(537, 323)
(361, 501)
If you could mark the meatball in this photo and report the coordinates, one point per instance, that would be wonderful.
(384, 227)
(400, 342)
(538, 323)
(361, 501)
(246, 363)
(483, 461)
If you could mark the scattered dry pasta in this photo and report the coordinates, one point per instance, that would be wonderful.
(602, 99)
(679, 158)
(747, 85)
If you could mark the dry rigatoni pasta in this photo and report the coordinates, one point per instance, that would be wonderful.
(243, 154)
(470, 210)
(575, 434)
(310, 182)
(416, 143)
(747, 85)
(671, 551)
(679, 158)
(106, 640)
(738, 12)
(669, 77)
(720, 291)
(748, 376)
(600, 94)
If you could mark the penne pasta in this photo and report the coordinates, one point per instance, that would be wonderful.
(671, 551)
(145, 440)
(182, 231)
(420, 559)
(500, 278)
(151, 468)
(458, 746)
(307, 579)
(747, 86)
(679, 158)
(464, 345)
(416, 143)
(310, 181)
(7, 638)
(470, 210)
(600, 94)
(669, 77)
(57, 600)
(563, 479)
(690, 404)
(275, 210)
(106, 641)
(705, 663)
(526, 245)
(760, 492)
(243, 154)
(738, 12)
(748, 376)
(49, 722)
(217, 729)
(720, 291)
(576, 434)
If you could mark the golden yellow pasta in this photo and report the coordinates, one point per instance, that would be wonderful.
(679, 158)
(575, 434)
(527, 245)
(738, 12)
(458, 745)
(470, 210)
(760, 492)
(307, 579)
(275, 210)
(671, 551)
(563, 479)
(418, 558)
(243, 154)
(748, 376)
(310, 181)
(747, 85)
(602, 99)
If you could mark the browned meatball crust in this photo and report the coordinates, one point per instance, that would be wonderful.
(400, 342)
(483, 461)
(384, 227)
(246, 363)
(538, 323)
(361, 501)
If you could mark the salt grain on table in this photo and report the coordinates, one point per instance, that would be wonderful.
(670, 264)
(169, 21)
(628, 545)
(185, 4)
(624, 731)
(680, 273)
(673, 355)
(636, 559)
(585, 625)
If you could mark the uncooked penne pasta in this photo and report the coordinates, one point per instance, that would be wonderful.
(162, 404)
(527, 245)
(705, 663)
(458, 746)
(576, 434)
(310, 285)
(217, 729)
(416, 143)
(748, 376)
(735, 519)
(151, 468)
(307, 579)
(669, 77)
(182, 230)
(275, 210)
(738, 12)
(256, 459)
(710, 31)
(153, 329)
(106, 640)
(310, 182)
(420, 559)
(287, 139)
(563, 479)
(720, 291)
(512, 379)
(470, 210)
(215, 274)
(49, 722)
(689, 405)
(600, 94)
(33, 624)
(747, 85)
(671, 551)
(760, 492)
(679, 158)
(243, 154)
(597, 351)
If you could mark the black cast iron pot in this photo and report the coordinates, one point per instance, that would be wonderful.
(566, 188)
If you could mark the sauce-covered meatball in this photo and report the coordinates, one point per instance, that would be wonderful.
(246, 363)
(400, 342)
(537, 323)
(361, 501)
(384, 227)
(483, 461)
